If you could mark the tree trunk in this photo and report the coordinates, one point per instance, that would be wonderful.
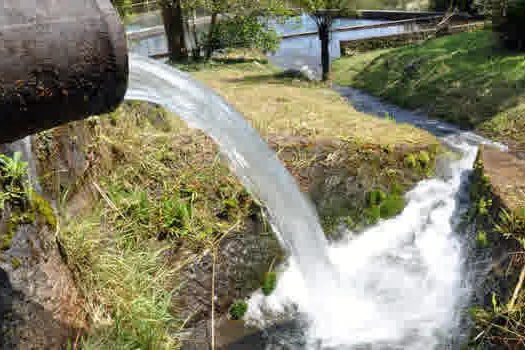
(174, 27)
(497, 20)
(324, 34)
(209, 46)
(197, 51)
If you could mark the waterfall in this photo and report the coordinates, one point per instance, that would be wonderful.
(399, 285)
(290, 213)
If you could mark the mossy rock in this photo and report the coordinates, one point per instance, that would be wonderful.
(42, 207)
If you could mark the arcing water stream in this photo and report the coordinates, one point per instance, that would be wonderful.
(399, 285)
(289, 212)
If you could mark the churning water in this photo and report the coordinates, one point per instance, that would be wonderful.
(402, 280)
(399, 285)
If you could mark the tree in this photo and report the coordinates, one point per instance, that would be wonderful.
(172, 17)
(323, 13)
(176, 14)
(508, 22)
(241, 12)
(123, 7)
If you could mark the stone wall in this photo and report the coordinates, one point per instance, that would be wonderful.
(497, 195)
(351, 47)
(394, 15)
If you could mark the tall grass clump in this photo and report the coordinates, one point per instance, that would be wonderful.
(153, 187)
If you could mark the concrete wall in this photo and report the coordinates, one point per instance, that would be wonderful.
(351, 47)
(394, 15)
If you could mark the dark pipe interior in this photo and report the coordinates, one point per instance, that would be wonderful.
(60, 60)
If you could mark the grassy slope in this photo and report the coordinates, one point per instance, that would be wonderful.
(149, 174)
(459, 78)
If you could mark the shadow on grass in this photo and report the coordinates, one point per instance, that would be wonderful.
(278, 78)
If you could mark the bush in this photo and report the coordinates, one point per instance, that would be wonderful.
(243, 32)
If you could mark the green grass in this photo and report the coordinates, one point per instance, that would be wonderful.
(460, 78)
(151, 187)
(277, 105)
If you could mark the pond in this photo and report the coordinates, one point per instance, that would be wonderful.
(296, 52)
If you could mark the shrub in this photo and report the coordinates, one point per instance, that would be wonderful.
(243, 32)
(238, 309)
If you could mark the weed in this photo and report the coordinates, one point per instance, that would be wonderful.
(13, 180)
(238, 309)
(424, 159)
(269, 283)
(411, 161)
(392, 206)
(481, 240)
(375, 197)
(15, 263)
(372, 215)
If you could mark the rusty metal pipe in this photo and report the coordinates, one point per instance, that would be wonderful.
(60, 60)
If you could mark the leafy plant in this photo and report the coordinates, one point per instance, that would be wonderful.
(244, 32)
(238, 309)
(411, 161)
(13, 173)
(481, 240)
(375, 197)
(389, 117)
(176, 214)
(372, 215)
(424, 159)
(269, 283)
(392, 206)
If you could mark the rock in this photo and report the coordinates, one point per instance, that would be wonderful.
(242, 260)
(235, 335)
(413, 66)
(302, 74)
(38, 299)
(506, 173)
